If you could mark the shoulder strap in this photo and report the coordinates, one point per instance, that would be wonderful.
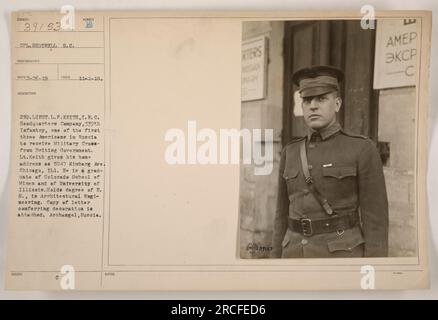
(354, 135)
(305, 166)
(295, 140)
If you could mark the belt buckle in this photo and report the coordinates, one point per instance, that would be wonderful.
(306, 226)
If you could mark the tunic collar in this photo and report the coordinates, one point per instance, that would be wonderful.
(326, 132)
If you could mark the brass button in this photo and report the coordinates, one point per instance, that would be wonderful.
(311, 145)
(304, 242)
(306, 191)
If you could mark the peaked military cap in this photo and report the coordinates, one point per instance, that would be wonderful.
(317, 80)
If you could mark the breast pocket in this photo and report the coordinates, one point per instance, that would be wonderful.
(291, 177)
(340, 184)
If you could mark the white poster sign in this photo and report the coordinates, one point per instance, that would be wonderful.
(254, 67)
(396, 53)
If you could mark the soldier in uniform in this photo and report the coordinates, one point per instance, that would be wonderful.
(332, 198)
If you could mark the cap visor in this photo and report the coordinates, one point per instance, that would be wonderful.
(316, 91)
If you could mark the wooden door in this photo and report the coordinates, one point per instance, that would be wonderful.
(343, 44)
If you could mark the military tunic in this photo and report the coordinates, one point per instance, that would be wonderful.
(347, 171)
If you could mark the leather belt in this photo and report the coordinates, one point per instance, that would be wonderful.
(308, 227)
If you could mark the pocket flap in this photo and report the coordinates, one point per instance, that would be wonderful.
(346, 242)
(339, 172)
(290, 173)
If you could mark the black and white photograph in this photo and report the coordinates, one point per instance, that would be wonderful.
(341, 99)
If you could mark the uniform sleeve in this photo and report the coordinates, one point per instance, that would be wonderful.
(373, 202)
(281, 212)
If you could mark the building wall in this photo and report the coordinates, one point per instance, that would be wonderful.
(397, 126)
(258, 193)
